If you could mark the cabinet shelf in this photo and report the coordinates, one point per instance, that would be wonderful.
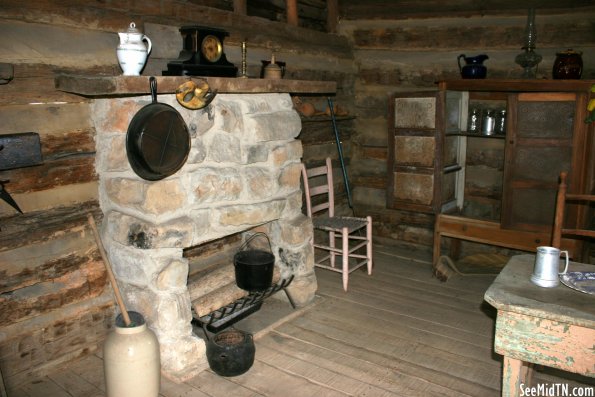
(471, 135)
(324, 118)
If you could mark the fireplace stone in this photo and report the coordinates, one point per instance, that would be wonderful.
(242, 174)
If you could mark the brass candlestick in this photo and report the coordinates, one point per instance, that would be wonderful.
(244, 64)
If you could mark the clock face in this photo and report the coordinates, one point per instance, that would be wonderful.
(211, 48)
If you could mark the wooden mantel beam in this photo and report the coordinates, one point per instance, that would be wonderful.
(93, 86)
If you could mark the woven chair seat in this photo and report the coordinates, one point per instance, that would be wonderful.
(337, 223)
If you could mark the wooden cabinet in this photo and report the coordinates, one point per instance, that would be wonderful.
(545, 134)
(414, 141)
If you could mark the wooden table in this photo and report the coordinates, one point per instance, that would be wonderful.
(554, 327)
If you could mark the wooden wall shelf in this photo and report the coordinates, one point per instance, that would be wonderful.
(112, 86)
(501, 85)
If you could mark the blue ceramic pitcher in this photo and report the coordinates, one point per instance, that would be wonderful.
(474, 67)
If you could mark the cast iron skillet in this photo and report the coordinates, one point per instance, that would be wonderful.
(157, 141)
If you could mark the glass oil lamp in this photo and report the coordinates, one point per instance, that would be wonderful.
(529, 59)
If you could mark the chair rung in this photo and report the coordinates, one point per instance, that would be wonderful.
(358, 265)
(339, 269)
(588, 197)
(316, 171)
(579, 232)
(338, 250)
(320, 207)
(327, 247)
(357, 256)
(324, 258)
(317, 190)
(358, 246)
(329, 267)
(351, 237)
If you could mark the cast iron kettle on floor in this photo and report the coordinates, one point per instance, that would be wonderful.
(230, 352)
(157, 141)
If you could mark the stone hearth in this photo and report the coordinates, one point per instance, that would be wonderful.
(243, 171)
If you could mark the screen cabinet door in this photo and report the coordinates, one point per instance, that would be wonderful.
(414, 140)
(540, 144)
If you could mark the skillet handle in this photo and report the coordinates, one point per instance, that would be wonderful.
(153, 86)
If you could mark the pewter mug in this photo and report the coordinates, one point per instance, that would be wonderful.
(547, 266)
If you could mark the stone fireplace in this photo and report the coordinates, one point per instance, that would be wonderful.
(242, 174)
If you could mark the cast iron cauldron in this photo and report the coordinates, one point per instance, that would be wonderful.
(254, 268)
(230, 352)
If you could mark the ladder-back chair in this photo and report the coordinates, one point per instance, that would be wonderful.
(562, 199)
(352, 233)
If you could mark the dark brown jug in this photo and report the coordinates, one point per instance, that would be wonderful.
(568, 65)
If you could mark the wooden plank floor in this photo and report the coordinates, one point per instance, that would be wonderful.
(399, 332)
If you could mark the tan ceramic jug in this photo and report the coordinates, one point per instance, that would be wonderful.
(131, 360)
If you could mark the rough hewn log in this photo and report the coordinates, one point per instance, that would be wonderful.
(217, 299)
(318, 130)
(223, 296)
(424, 36)
(32, 264)
(375, 152)
(31, 349)
(406, 9)
(131, 85)
(51, 121)
(206, 282)
(34, 84)
(38, 227)
(376, 182)
(213, 248)
(88, 281)
(73, 169)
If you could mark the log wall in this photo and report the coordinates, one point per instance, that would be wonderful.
(405, 47)
(55, 302)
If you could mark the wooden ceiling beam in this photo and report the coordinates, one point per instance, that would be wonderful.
(240, 7)
(292, 13)
(332, 15)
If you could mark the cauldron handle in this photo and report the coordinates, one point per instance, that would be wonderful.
(204, 328)
(252, 237)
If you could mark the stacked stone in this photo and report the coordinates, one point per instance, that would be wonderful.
(243, 171)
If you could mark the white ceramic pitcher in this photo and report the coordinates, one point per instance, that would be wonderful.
(132, 51)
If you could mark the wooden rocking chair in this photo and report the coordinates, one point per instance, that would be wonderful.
(346, 229)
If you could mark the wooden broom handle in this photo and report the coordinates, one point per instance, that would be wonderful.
(108, 267)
